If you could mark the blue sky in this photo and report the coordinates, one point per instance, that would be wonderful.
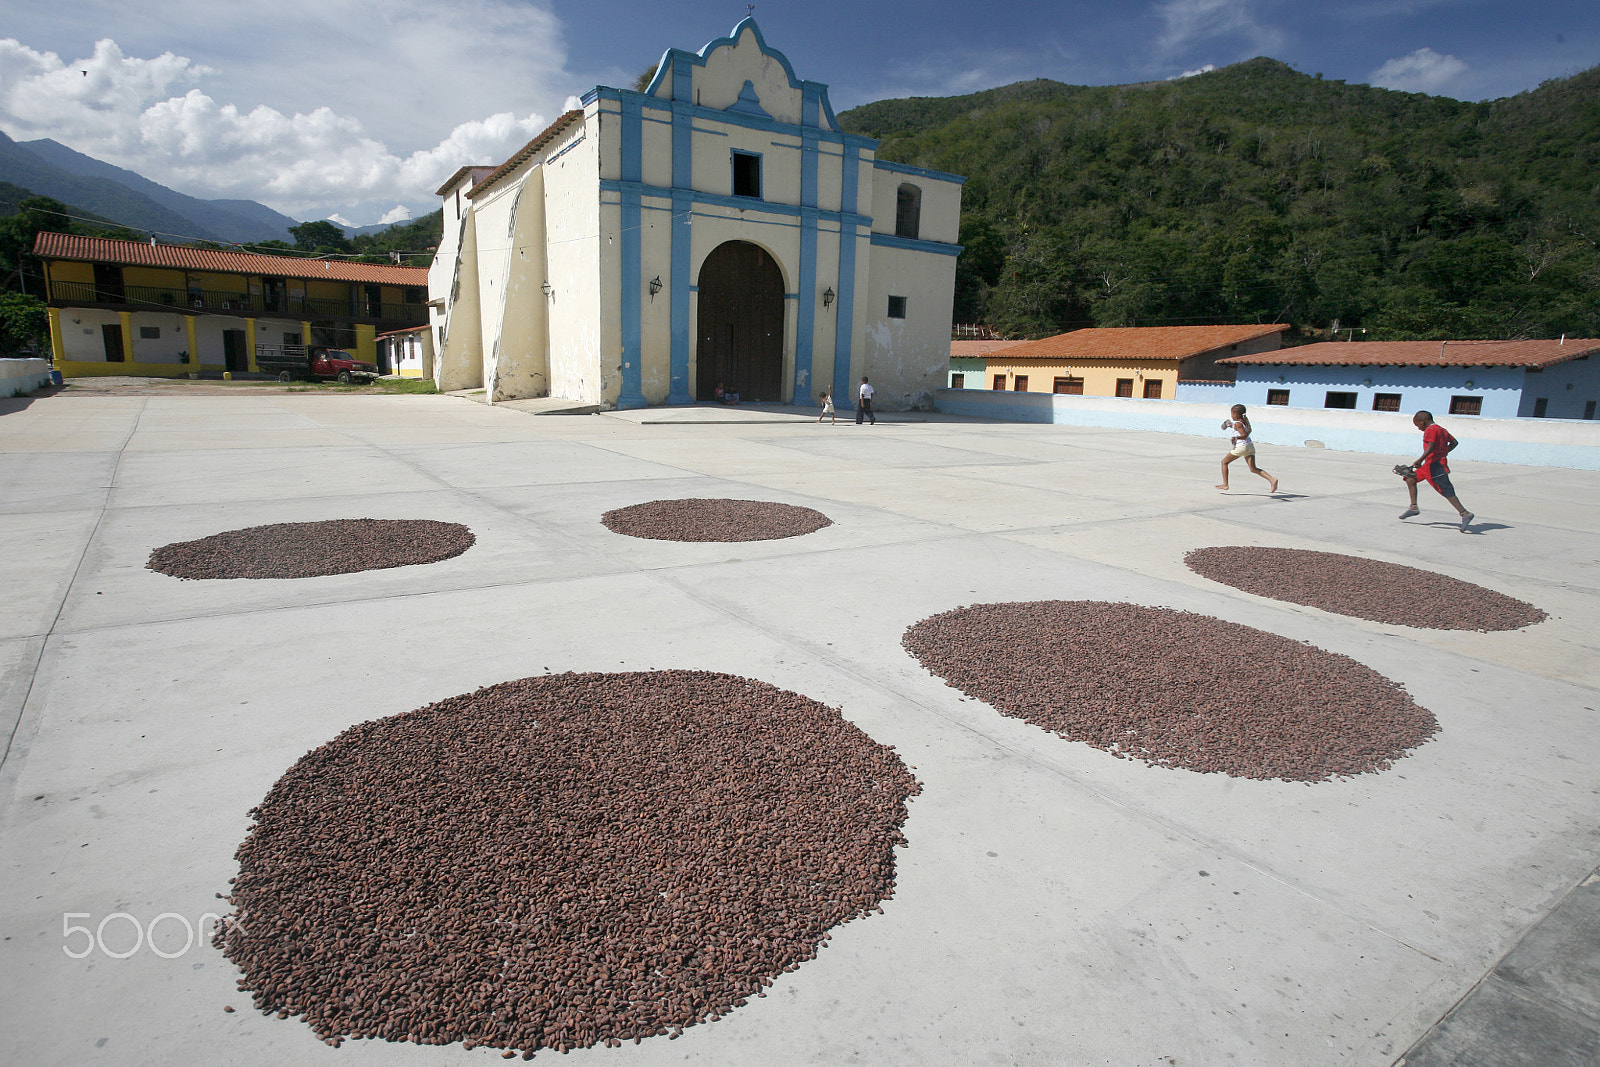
(359, 108)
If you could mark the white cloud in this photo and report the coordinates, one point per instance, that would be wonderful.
(1209, 67)
(339, 220)
(398, 213)
(1423, 71)
(376, 103)
(1187, 23)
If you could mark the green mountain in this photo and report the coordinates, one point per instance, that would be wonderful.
(1257, 193)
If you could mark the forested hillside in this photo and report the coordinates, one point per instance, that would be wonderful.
(1258, 194)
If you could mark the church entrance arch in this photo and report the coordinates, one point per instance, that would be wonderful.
(740, 324)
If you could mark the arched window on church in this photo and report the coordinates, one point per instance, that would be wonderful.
(908, 212)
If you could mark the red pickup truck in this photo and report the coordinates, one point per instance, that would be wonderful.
(291, 362)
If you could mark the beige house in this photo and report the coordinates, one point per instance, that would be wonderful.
(1136, 361)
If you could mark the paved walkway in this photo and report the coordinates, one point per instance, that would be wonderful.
(1054, 905)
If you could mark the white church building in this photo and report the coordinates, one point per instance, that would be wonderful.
(718, 227)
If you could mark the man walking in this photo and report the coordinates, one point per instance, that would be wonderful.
(1431, 466)
(864, 408)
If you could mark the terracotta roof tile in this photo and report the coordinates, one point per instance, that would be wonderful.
(1140, 342)
(1426, 353)
(979, 349)
(526, 152)
(183, 257)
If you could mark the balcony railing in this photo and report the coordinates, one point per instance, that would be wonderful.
(155, 298)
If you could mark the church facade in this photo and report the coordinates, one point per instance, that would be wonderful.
(716, 228)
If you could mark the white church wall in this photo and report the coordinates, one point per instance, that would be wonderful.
(460, 361)
(907, 358)
(490, 213)
(522, 367)
(576, 234)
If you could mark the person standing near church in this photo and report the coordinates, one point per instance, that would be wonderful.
(864, 408)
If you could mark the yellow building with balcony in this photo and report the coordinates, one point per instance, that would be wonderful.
(126, 307)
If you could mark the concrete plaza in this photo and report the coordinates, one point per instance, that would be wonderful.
(1054, 905)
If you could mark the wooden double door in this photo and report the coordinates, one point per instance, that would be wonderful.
(740, 324)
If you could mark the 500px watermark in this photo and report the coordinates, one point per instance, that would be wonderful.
(119, 935)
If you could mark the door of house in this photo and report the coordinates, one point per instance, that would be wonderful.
(111, 334)
(234, 357)
(740, 335)
(108, 283)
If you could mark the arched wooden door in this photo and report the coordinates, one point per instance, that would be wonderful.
(740, 324)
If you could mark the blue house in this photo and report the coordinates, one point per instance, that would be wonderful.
(1495, 379)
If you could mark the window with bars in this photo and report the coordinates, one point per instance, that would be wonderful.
(1125, 387)
(1068, 386)
(958, 381)
(1000, 381)
(1278, 397)
(1466, 405)
(1152, 389)
(1020, 384)
(1385, 401)
(1339, 400)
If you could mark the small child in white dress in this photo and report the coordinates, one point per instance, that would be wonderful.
(827, 408)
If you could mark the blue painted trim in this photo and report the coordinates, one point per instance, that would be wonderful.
(849, 178)
(748, 103)
(844, 324)
(920, 172)
(734, 118)
(632, 394)
(806, 305)
(906, 243)
(744, 203)
(678, 391)
(679, 59)
(682, 77)
(632, 142)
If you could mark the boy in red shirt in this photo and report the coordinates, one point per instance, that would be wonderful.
(1431, 466)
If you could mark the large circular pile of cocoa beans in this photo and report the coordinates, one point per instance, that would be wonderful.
(562, 861)
(1173, 688)
(709, 519)
(309, 549)
(1364, 588)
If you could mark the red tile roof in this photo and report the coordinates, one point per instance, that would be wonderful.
(1426, 353)
(1140, 342)
(526, 152)
(183, 257)
(979, 349)
(478, 171)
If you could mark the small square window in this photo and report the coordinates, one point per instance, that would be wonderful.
(897, 307)
(1340, 400)
(1278, 397)
(149, 333)
(958, 381)
(1020, 384)
(1466, 405)
(1125, 387)
(747, 174)
(1385, 401)
(1152, 389)
(1000, 381)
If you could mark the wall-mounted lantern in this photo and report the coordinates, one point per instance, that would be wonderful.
(655, 287)
(827, 297)
(548, 288)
